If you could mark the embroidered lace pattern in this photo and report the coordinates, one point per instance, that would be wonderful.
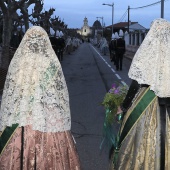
(151, 63)
(35, 91)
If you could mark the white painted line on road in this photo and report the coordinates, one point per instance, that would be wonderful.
(109, 66)
(74, 139)
(123, 83)
(113, 70)
(97, 52)
(118, 76)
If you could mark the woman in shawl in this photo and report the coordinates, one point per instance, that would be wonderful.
(144, 138)
(35, 114)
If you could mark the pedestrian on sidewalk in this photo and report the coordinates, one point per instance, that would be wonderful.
(144, 136)
(120, 50)
(35, 115)
(69, 45)
(112, 49)
(58, 45)
(62, 45)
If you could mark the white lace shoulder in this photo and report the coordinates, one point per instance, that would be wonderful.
(35, 90)
(151, 63)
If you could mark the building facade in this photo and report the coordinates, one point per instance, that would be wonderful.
(85, 29)
(134, 34)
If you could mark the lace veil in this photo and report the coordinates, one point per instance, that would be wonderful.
(151, 63)
(35, 91)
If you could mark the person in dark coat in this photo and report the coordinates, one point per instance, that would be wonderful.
(15, 41)
(62, 45)
(112, 48)
(120, 50)
(53, 42)
(56, 44)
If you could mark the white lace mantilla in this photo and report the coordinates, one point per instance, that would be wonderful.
(35, 91)
(151, 63)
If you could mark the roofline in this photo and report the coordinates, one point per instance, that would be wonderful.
(122, 22)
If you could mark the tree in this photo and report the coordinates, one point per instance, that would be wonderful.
(36, 13)
(9, 8)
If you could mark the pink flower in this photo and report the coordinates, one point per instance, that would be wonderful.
(114, 86)
(116, 91)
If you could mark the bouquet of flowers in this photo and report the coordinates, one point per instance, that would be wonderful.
(112, 100)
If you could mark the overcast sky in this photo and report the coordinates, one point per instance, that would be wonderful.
(73, 12)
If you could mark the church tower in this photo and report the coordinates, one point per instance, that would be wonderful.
(85, 22)
(85, 30)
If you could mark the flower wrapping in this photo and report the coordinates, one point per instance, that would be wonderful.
(112, 100)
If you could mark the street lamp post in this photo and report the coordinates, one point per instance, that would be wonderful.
(162, 8)
(112, 5)
(102, 24)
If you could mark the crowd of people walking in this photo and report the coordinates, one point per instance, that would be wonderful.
(72, 43)
(116, 48)
(64, 45)
(35, 119)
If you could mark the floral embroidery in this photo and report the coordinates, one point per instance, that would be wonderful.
(151, 63)
(35, 91)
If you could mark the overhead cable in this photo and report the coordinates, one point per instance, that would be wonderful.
(123, 16)
(148, 5)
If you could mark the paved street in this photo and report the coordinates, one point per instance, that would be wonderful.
(89, 75)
